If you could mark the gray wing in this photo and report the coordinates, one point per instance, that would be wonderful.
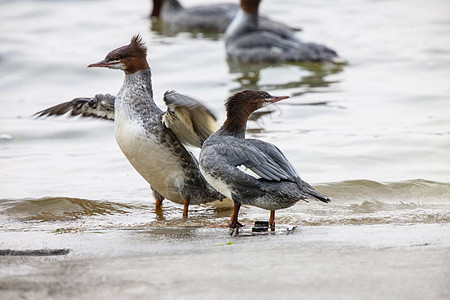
(270, 47)
(100, 106)
(189, 119)
(263, 159)
(283, 30)
(288, 169)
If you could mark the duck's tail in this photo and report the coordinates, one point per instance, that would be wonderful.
(310, 192)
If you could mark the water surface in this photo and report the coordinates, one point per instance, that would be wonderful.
(373, 134)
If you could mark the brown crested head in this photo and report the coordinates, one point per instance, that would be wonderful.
(242, 104)
(130, 58)
(250, 6)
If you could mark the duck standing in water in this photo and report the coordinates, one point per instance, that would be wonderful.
(146, 134)
(213, 18)
(249, 171)
(246, 41)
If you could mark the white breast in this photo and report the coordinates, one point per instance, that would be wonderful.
(216, 183)
(149, 157)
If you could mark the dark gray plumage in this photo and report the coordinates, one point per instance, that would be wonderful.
(247, 41)
(279, 185)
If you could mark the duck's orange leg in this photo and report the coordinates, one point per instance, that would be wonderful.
(185, 208)
(158, 202)
(272, 220)
(234, 217)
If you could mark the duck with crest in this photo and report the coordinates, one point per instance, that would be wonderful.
(250, 171)
(151, 139)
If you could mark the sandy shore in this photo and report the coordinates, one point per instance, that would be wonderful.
(329, 262)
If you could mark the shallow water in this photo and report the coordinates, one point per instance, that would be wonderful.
(373, 134)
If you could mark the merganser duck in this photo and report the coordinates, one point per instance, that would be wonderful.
(213, 18)
(246, 41)
(142, 132)
(250, 171)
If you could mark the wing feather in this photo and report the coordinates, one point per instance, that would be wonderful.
(239, 160)
(190, 120)
(100, 106)
(260, 159)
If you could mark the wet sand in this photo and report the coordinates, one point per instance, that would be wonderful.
(313, 262)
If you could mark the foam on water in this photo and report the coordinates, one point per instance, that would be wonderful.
(353, 203)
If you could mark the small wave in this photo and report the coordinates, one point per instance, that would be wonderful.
(58, 208)
(353, 202)
(413, 216)
(360, 202)
(417, 190)
(5, 137)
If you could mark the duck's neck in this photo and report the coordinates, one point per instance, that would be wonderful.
(156, 8)
(171, 6)
(250, 6)
(137, 91)
(236, 132)
(243, 22)
(235, 124)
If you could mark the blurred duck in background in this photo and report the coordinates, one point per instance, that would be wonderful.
(246, 41)
(210, 18)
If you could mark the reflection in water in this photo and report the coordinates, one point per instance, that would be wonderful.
(311, 75)
(163, 29)
(255, 116)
